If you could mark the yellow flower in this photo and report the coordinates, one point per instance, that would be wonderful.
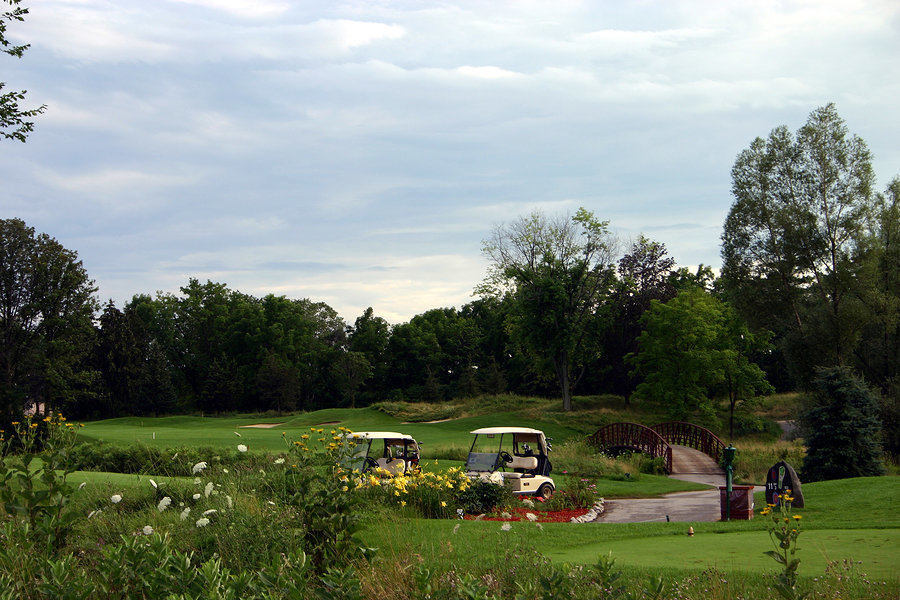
(403, 503)
(344, 488)
(798, 517)
(443, 504)
(305, 436)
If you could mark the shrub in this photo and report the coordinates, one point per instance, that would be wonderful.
(143, 459)
(750, 424)
(484, 497)
(578, 493)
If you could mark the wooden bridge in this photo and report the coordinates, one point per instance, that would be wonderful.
(657, 441)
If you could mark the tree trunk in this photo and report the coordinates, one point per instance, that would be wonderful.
(562, 373)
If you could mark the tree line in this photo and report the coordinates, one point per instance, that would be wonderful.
(811, 257)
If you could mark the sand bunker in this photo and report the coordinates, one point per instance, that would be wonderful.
(259, 426)
(427, 422)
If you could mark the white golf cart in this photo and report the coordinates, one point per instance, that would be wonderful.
(394, 452)
(514, 456)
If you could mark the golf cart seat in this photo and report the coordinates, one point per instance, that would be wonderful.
(527, 463)
(394, 467)
(511, 475)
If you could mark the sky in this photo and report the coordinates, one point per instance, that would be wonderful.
(358, 153)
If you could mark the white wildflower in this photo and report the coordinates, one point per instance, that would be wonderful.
(211, 511)
(181, 504)
(115, 498)
(202, 522)
(242, 448)
(208, 489)
(198, 467)
(197, 481)
(528, 502)
(279, 461)
(185, 513)
(153, 483)
(506, 526)
(505, 515)
(147, 530)
(196, 496)
(225, 471)
(164, 504)
(229, 501)
(531, 517)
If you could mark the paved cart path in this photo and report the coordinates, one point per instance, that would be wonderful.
(688, 465)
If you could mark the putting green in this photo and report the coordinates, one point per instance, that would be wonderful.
(878, 550)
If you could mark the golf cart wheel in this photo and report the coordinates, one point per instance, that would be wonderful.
(545, 491)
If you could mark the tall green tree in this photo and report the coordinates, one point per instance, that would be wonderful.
(133, 366)
(47, 306)
(693, 350)
(14, 120)
(841, 428)
(801, 204)
(644, 275)
(558, 270)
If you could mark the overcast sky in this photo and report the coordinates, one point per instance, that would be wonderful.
(358, 152)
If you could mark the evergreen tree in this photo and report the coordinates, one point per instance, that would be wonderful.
(842, 428)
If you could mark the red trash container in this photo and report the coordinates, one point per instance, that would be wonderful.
(741, 502)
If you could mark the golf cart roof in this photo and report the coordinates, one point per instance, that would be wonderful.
(501, 430)
(381, 435)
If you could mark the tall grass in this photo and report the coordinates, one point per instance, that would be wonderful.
(754, 458)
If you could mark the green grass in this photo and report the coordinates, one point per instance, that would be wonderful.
(743, 551)
(850, 518)
(219, 431)
(119, 480)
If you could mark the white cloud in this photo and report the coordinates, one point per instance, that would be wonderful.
(487, 72)
(253, 9)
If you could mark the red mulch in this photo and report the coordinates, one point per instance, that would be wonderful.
(518, 514)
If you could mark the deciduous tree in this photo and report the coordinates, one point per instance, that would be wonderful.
(14, 120)
(558, 271)
(47, 306)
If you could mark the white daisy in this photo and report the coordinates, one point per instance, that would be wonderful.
(202, 522)
(147, 530)
(198, 467)
(164, 504)
(115, 498)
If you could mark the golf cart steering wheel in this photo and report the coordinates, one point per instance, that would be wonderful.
(370, 463)
(505, 456)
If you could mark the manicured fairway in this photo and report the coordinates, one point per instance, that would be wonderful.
(219, 431)
(877, 549)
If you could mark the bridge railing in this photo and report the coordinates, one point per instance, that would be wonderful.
(681, 433)
(633, 436)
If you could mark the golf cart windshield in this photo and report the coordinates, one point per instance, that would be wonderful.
(482, 461)
(357, 458)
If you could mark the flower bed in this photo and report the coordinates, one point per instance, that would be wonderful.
(519, 514)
